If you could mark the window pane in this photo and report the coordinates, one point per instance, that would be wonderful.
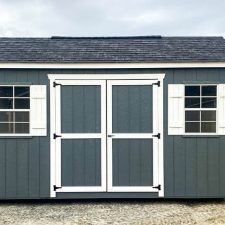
(6, 103)
(208, 127)
(192, 102)
(208, 102)
(192, 116)
(6, 91)
(192, 90)
(6, 128)
(22, 103)
(22, 116)
(208, 115)
(6, 116)
(209, 90)
(192, 127)
(21, 128)
(22, 92)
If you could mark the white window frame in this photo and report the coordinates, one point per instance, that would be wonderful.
(201, 109)
(16, 110)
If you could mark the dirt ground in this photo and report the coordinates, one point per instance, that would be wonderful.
(113, 212)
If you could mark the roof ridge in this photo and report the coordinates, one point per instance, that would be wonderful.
(108, 37)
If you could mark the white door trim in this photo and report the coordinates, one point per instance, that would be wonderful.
(140, 76)
(83, 77)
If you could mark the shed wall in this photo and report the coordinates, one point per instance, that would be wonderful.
(194, 166)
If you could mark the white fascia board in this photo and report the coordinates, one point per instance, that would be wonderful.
(110, 65)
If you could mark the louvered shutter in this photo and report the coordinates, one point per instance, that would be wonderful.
(176, 109)
(38, 112)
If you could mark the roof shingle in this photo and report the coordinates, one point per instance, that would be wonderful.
(112, 49)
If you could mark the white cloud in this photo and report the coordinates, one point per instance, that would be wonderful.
(111, 17)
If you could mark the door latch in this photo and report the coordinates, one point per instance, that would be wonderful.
(110, 135)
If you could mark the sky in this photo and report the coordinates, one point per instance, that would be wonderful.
(45, 18)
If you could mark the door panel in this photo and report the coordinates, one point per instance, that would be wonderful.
(81, 136)
(131, 109)
(81, 162)
(81, 109)
(132, 162)
(132, 146)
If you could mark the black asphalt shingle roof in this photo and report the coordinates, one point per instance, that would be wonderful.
(112, 49)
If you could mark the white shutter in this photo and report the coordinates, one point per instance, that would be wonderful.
(176, 109)
(221, 108)
(38, 112)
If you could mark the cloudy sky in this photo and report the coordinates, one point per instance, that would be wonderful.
(45, 18)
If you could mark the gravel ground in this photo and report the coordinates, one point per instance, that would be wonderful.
(113, 212)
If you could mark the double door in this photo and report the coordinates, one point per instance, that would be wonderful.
(106, 136)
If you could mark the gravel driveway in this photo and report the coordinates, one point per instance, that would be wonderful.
(114, 212)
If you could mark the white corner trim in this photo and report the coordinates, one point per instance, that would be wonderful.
(110, 65)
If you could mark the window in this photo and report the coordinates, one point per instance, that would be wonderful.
(200, 108)
(14, 109)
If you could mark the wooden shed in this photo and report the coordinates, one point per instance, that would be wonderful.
(112, 117)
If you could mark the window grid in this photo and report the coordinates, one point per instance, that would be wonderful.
(14, 109)
(200, 109)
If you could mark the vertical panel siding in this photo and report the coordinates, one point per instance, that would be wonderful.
(2, 169)
(193, 166)
(168, 140)
(22, 168)
(20, 162)
(198, 162)
(202, 167)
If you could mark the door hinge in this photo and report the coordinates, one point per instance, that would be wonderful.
(157, 83)
(55, 187)
(157, 135)
(55, 84)
(157, 187)
(55, 136)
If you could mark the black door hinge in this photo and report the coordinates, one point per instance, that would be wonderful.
(55, 187)
(158, 187)
(55, 84)
(158, 84)
(157, 135)
(55, 136)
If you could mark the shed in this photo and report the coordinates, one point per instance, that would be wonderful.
(112, 117)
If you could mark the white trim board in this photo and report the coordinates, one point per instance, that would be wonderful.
(110, 65)
(61, 78)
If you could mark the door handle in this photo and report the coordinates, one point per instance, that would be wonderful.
(110, 135)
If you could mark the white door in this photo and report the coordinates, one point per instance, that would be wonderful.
(80, 136)
(132, 136)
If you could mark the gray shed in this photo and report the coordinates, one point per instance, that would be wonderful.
(112, 117)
